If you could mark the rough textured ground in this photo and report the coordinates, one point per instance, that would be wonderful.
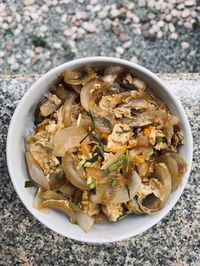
(36, 35)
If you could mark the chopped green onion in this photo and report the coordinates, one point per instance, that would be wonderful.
(159, 140)
(114, 166)
(128, 190)
(107, 123)
(126, 161)
(92, 186)
(59, 175)
(87, 164)
(80, 164)
(92, 119)
(89, 180)
(100, 149)
(29, 183)
(114, 182)
(93, 159)
(122, 217)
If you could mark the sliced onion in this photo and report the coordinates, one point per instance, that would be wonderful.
(182, 168)
(79, 76)
(105, 193)
(67, 109)
(149, 117)
(139, 84)
(49, 194)
(169, 127)
(152, 196)
(36, 172)
(67, 190)
(68, 138)
(121, 194)
(37, 202)
(113, 70)
(175, 163)
(89, 94)
(83, 220)
(76, 177)
(162, 174)
(61, 205)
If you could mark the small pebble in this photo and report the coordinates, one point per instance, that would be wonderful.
(122, 37)
(190, 3)
(141, 3)
(185, 45)
(159, 35)
(187, 25)
(171, 27)
(114, 13)
(103, 14)
(119, 50)
(160, 23)
(134, 59)
(29, 2)
(89, 26)
(174, 36)
(57, 45)
(185, 13)
(107, 23)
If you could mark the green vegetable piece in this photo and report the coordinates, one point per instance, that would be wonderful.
(114, 182)
(107, 123)
(92, 119)
(100, 149)
(122, 217)
(29, 183)
(93, 159)
(126, 161)
(92, 185)
(114, 166)
(159, 140)
(80, 164)
(89, 180)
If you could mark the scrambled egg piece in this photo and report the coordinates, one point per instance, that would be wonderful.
(121, 135)
(113, 211)
(88, 206)
(50, 105)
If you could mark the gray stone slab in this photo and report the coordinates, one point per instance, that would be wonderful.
(173, 241)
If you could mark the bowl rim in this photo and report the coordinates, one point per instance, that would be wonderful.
(85, 61)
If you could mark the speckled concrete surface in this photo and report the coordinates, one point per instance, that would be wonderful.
(173, 241)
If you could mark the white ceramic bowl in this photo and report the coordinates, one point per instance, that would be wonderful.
(21, 123)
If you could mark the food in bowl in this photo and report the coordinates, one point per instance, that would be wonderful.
(104, 146)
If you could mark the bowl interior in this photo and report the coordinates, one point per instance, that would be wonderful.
(22, 124)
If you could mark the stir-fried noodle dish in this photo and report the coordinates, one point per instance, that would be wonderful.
(104, 147)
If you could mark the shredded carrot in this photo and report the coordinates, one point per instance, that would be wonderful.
(116, 149)
(147, 131)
